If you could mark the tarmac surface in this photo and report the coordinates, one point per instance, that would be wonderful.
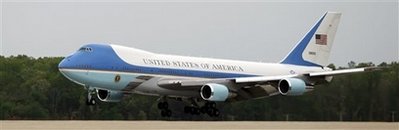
(192, 125)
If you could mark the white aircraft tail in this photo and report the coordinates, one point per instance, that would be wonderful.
(314, 48)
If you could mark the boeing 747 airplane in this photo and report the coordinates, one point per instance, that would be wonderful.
(112, 72)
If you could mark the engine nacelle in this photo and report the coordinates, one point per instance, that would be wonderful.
(291, 86)
(214, 92)
(109, 96)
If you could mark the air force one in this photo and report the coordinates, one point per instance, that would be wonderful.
(112, 72)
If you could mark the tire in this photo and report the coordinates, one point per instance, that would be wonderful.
(203, 109)
(168, 113)
(165, 105)
(163, 113)
(92, 101)
(216, 113)
(212, 104)
(160, 105)
(212, 112)
(192, 110)
(209, 112)
(187, 109)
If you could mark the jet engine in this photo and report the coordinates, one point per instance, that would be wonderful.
(291, 86)
(109, 96)
(214, 92)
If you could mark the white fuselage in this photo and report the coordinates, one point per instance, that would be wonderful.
(99, 67)
(143, 58)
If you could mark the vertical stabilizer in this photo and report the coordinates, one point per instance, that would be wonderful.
(314, 48)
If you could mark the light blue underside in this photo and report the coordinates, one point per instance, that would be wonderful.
(101, 80)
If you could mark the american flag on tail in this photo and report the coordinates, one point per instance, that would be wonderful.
(321, 39)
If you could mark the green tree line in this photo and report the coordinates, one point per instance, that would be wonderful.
(33, 88)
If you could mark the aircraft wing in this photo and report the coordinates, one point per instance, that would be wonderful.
(181, 84)
(256, 87)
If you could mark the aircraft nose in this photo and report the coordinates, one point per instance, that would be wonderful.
(63, 63)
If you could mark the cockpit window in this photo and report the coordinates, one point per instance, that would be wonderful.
(88, 49)
(82, 49)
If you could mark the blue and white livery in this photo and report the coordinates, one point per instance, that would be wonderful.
(112, 72)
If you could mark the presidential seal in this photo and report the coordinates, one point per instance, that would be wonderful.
(117, 78)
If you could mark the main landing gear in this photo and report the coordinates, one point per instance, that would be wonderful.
(91, 92)
(208, 108)
(195, 107)
(164, 107)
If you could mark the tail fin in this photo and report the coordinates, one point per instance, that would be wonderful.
(314, 48)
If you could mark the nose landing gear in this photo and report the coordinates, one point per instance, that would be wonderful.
(91, 92)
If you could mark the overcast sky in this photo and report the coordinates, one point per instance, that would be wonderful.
(233, 29)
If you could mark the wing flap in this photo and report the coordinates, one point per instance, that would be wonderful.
(261, 78)
(189, 84)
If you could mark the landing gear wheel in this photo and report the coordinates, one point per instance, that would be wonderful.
(160, 105)
(187, 109)
(216, 113)
(92, 101)
(192, 110)
(213, 112)
(195, 111)
(203, 109)
(207, 108)
(210, 104)
(163, 113)
(164, 107)
(168, 113)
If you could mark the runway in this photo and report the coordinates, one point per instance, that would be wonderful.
(192, 125)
